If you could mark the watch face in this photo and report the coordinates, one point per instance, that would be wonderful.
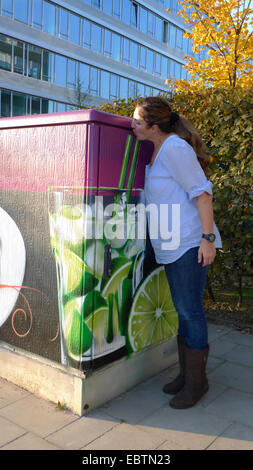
(210, 237)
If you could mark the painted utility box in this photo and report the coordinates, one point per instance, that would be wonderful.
(76, 283)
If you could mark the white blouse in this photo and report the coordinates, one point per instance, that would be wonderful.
(172, 184)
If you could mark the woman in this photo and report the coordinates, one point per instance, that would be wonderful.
(177, 175)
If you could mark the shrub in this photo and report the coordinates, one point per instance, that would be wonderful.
(223, 118)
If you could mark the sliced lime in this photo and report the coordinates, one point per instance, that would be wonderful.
(92, 301)
(78, 335)
(71, 212)
(76, 276)
(97, 322)
(153, 318)
(120, 270)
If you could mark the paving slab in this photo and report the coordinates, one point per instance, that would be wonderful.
(234, 405)
(140, 402)
(241, 354)
(9, 393)
(29, 441)
(126, 437)
(192, 429)
(234, 375)
(238, 337)
(236, 437)
(37, 415)
(221, 346)
(9, 431)
(84, 430)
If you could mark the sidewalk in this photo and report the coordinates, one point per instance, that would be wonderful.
(141, 419)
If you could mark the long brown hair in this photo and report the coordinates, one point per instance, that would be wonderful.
(156, 110)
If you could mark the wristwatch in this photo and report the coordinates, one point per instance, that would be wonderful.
(209, 236)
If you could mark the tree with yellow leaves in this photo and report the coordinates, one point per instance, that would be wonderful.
(222, 28)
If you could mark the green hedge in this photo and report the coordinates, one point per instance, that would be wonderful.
(224, 120)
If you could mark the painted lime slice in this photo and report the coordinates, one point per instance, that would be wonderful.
(120, 270)
(78, 335)
(153, 318)
(76, 276)
(97, 322)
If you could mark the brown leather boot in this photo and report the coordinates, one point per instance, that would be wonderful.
(173, 387)
(196, 383)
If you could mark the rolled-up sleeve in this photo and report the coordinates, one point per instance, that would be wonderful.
(182, 163)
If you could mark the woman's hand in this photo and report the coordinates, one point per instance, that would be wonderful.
(206, 253)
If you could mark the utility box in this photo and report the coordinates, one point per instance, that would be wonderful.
(78, 285)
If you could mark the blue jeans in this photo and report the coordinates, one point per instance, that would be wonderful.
(187, 280)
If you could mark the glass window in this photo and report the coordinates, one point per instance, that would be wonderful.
(60, 70)
(116, 8)
(143, 20)
(5, 53)
(164, 67)
(18, 62)
(134, 49)
(177, 70)
(74, 28)
(123, 88)
(18, 104)
(140, 89)
(132, 88)
(37, 14)
(96, 3)
(49, 18)
(151, 23)
(179, 42)
(96, 36)
(45, 107)
(35, 105)
(134, 15)
(114, 86)
(7, 8)
(93, 81)
(34, 61)
(158, 61)
(87, 34)
(150, 61)
(47, 66)
(116, 46)
(5, 103)
(71, 74)
(148, 91)
(84, 77)
(64, 19)
(126, 11)
(107, 43)
(165, 31)
(107, 7)
(185, 45)
(143, 58)
(159, 33)
(105, 84)
(126, 51)
(172, 69)
(21, 10)
(172, 39)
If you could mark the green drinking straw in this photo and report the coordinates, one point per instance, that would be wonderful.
(123, 171)
(132, 170)
(125, 162)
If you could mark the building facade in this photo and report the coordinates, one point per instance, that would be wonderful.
(62, 54)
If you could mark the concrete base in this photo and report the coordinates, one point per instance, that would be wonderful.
(71, 387)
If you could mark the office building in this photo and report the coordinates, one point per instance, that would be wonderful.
(62, 54)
